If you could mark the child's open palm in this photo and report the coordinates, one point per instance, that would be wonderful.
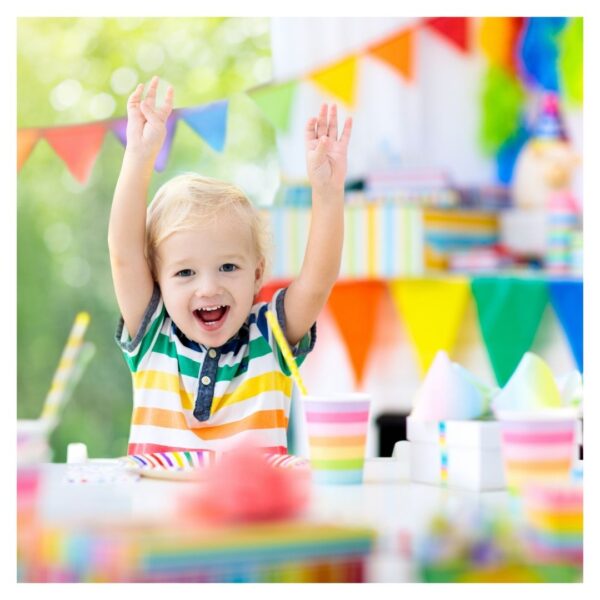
(146, 123)
(326, 155)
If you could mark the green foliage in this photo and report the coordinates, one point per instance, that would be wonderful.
(62, 255)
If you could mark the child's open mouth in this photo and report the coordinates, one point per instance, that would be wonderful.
(211, 317)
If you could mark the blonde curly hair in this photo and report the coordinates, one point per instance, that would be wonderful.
(189, 201)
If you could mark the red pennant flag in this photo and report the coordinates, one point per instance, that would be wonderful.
(26, 141)
(355, 307)
(267, 290)
(77, 146)
(397, 52)
(454, 29)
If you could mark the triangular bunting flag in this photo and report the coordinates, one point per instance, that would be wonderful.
(77, 146)
(509, 312)
(354, 306)
(454, 29)
(567, 301)
(275, 101)
(209, 122)
(165, 151)
(26, 141)
(498, 38)
(267, 290)
(119, 128)
(397, 52)
(338, 79)
(433, 311)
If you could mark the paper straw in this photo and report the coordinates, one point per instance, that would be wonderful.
(66, 367)
(287, 353)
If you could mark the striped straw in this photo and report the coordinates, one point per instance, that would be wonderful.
(287, 353)
(66, 367)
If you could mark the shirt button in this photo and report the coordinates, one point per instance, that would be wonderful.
(212, 353)
(205, 380)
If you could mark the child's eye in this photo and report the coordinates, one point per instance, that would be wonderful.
(228, 268)
(184, 273)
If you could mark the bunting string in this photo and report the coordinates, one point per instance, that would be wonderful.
(79, 145)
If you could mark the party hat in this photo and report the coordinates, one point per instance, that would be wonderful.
(532, 387)
(448, 392)
(549, 124)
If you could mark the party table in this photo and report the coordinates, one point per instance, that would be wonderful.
(377, 521)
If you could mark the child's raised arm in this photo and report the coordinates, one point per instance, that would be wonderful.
(326, 158)
(146, 131)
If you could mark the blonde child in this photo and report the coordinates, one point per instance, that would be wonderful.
(207, 373)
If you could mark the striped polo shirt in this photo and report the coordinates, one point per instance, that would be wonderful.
(187, 396)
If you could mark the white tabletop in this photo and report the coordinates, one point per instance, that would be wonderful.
(396, 508)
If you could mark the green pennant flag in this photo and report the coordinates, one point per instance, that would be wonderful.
(510, 310)
(276, 103)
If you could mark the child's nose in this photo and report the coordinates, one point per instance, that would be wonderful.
(208, 285)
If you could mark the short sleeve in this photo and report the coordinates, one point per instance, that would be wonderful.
(301, 350)
(134, 350)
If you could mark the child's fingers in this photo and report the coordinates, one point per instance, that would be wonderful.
(345, 137)
(322, 121)
(310, 131)
(167, 106)
(151, 95)
(135, 96)
(332, 130)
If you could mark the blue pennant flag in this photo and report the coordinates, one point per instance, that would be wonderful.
(539, 50)
(566, 297)
(209, 122)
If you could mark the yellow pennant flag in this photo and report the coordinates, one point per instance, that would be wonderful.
(432, 310)
(338, 80)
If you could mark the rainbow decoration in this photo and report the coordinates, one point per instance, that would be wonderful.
(554, 515)
(537, 450)
(285, 552)
(337, 431)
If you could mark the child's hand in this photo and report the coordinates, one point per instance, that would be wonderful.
(325, 154)
(146, 124)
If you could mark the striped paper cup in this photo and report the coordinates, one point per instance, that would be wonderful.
(337, 431)
(537, 447)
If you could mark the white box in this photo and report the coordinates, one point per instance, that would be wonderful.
(473, 454)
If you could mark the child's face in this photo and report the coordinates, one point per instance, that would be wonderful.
(209, 278)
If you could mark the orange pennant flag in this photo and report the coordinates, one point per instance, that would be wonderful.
(26, 141)
(338, 79)
(78, 146)
(397, 52)
(355, 307)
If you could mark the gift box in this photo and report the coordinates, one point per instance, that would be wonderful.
(462, 454)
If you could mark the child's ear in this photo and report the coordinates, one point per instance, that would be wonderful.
(258, 275)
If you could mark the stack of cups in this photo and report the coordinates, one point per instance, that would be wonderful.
(337, 431)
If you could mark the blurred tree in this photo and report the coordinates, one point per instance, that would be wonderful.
(73, 70)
